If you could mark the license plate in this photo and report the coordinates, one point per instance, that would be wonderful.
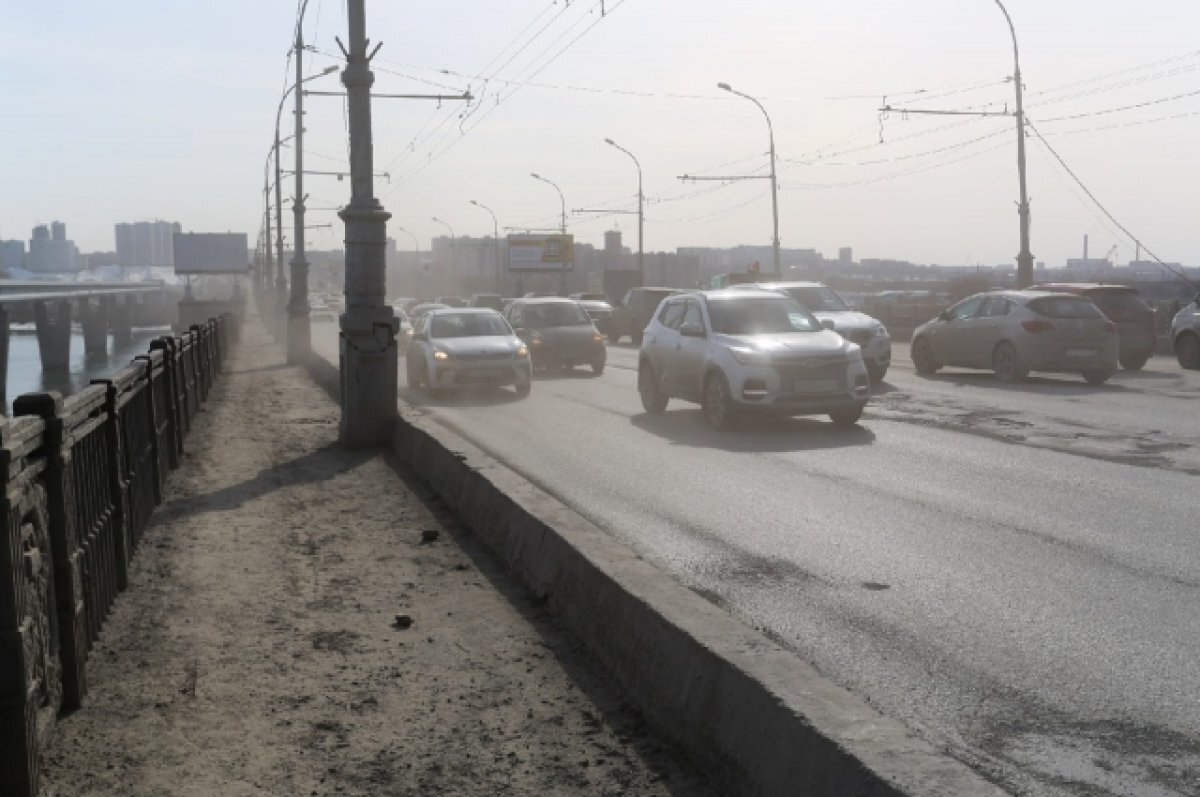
(1081, 352)
(817, 385)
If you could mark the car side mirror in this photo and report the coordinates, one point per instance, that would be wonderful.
(692, 330)
(945, 316)
(828, 324)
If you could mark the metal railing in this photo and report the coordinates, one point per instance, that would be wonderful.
(82, 476)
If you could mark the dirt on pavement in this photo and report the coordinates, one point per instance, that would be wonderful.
(303, 620)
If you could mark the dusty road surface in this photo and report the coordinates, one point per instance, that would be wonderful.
(300, 622)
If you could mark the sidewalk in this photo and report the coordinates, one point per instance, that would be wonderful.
(264, 645)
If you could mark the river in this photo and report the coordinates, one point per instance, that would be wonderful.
(25, 367)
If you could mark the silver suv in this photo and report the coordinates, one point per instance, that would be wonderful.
(1185, 335)
(869, 333)
(739, 351)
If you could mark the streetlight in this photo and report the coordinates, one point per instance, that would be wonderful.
(495, 239)
(563, 228)
(281, 285)
(453, 269)
(1024, 257)
(774, 182)
(641, 215)
(417, 248)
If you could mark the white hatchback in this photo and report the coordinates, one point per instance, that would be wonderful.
(743, 351)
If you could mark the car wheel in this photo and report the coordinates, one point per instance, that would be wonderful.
(848, 416)
(876, 373)
(1007, 364)
(598, 366)
(1096, 377)
(654, 401)
(718, 406)
(523, 388)
(413, 368)
(1133, 363)
(1187, 350)
(922, 357)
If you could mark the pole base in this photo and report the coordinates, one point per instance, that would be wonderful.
(299, 337)
(368, 365)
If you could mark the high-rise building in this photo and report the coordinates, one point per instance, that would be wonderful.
(51, 251)
(147, 243)
(12, 254)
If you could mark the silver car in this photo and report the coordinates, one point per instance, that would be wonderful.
(869, 333)
(1015, 332)
(453, 347)
(1185, 335)
(743, 351)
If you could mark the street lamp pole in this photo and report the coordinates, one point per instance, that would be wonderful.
(641, 214)
(495, 239)
(1024, 257)
(774, 181)
(299, 331)
(562, 228)
(453, 265)
(367, 343)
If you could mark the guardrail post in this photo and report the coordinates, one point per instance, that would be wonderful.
(174, 413)
(114, 465)
(200, 351)
(161, 432)
(70, 608)
(30, 682)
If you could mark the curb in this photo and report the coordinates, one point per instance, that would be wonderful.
(722, 691)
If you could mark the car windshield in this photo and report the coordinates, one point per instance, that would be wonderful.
(556, 314)
(766, 315)
(818, 299)
(467, 325)
(1065, 307)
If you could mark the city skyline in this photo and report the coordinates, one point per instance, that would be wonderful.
(103, 137)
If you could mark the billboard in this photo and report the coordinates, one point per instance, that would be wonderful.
(552, 252)
(211, 253)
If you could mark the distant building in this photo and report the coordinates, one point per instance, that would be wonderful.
(146, 243)
(12, 255)
(51, 251)
(845, 256)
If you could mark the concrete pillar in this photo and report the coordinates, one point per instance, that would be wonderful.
(3, 359)
(54, 335)
(93, 317)
(120, 319)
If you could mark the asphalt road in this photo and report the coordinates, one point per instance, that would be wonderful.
(1013, 571)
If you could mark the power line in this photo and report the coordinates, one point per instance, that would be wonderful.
(1134, 106)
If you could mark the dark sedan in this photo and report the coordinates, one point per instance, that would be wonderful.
(559, 333)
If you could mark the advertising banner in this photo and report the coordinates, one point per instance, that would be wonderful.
(552, 252)
(202, 253)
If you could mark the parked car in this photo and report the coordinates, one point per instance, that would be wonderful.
(1018, 331)
(1185, 335)
(580, 297)
(454, 348)
(631, 316)
(451, 301)
(559, 333)
(1124, 307)
(820, 300)
(740, 351)
(490, 300)
(600, 312)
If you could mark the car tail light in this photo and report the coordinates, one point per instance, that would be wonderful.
(1037, 326)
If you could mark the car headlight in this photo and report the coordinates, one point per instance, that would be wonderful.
(440, 356)
(535, 339)
(597, 337)
(522, 351)
(748, 356)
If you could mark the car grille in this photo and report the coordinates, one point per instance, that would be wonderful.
(794, 370)
(480, 356)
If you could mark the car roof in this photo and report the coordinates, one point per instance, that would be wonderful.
(462, 310)
(545, 300)
(739, 292)
(1026, 294)
(774, 286)
(1082, 287)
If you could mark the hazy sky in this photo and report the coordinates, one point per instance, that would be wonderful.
(140, 109)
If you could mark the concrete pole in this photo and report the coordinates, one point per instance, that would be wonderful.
(1024, 257)
(495, 239)
(641, 213)
(774, 179)
(299, 331)
(368, 327)
(279, 327)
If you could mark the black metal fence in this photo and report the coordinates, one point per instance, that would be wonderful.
(82, 476)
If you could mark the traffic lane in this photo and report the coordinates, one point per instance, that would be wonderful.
(1009, 602)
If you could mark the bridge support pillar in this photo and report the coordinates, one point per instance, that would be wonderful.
(120, 319)
(54, 335)
(3, 359)
(94, 320)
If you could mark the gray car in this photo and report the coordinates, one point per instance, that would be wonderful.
(1185, 335)
(1015, 332)
(467, 347)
